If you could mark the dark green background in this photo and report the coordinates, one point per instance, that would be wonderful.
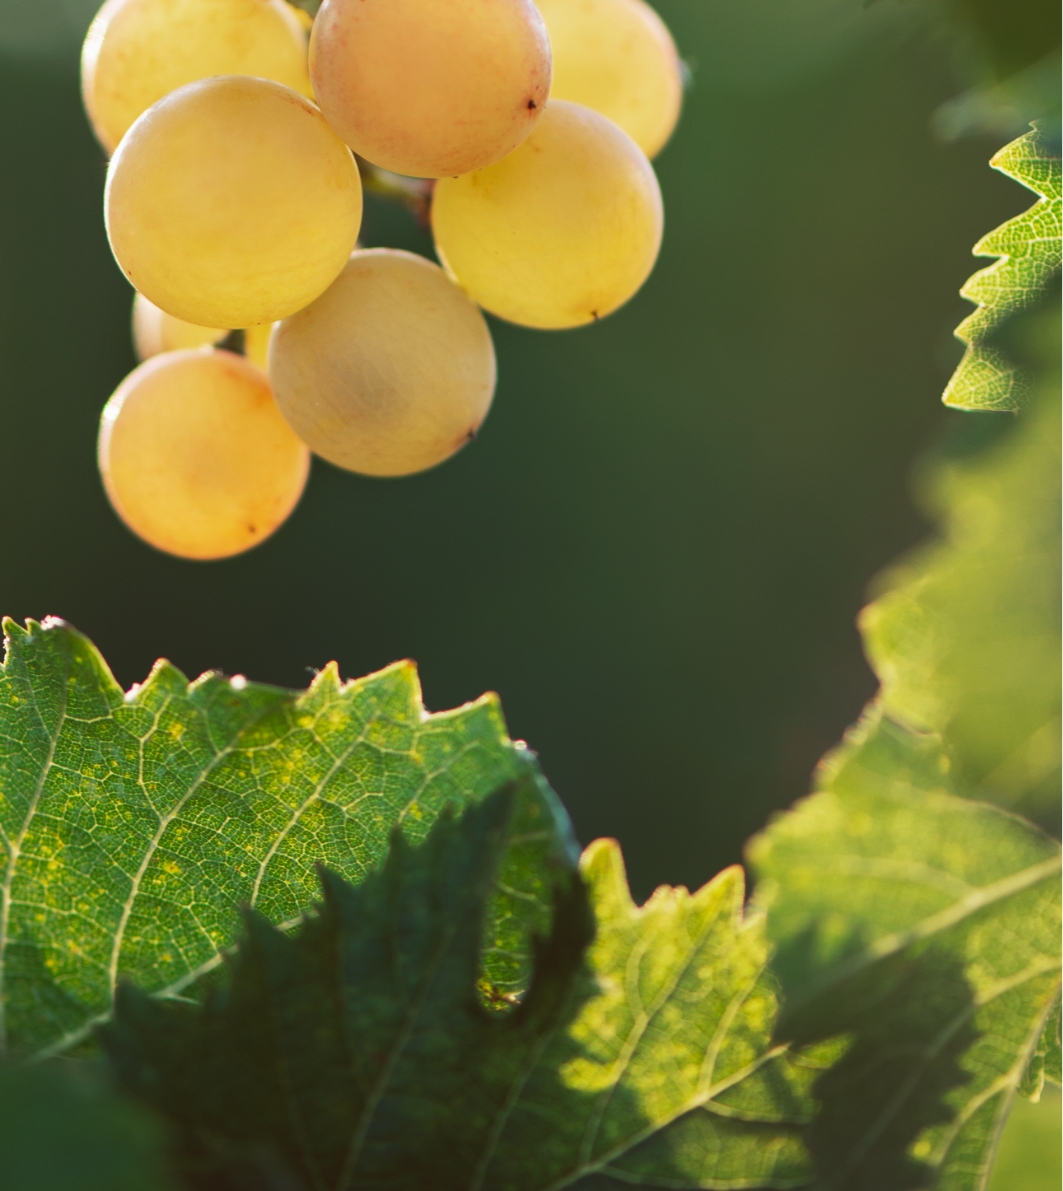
(656, 549)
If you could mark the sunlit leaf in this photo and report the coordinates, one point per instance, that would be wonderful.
(355, 1053)
(1028, 248)
(911, 918)
(135, 825)
(966, 638)
(926, 928)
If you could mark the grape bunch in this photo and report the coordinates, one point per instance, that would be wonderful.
(240, 132)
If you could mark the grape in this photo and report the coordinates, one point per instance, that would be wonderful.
(430, 88)
(617, 57)
(306, 21)
(562, 231)
(231, 202)
(390, 371)
(155, 331)
(137, 51)
(195, 456)
(256, 344)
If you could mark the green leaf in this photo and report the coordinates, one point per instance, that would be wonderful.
(355, 1053)
(62, 1128)
(1044, 1063)
(966, 638)
(135, 825)
(921, 926)
(1030, 1149)
(926, 928)
(1029, 250)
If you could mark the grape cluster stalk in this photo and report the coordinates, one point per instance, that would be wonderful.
(241, 136)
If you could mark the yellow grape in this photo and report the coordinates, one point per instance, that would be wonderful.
(430, 88)
(256, 344)
(562, 231)
(137, 51)
(390, 371)
(231, 202)
(617, 57)
(306, 21)
(195, 456)
(155, 331)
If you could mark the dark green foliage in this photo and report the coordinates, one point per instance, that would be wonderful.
(355, 1053)
(62, 1128)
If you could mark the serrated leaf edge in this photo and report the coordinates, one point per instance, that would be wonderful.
(164, 673)
(979, 356)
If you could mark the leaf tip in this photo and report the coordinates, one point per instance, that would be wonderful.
(602, 867)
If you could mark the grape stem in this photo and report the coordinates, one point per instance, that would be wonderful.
(310, 7)
(415, 194)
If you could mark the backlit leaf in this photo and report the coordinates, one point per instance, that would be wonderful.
(1028, 248)
(135, 825)
(356, 1054)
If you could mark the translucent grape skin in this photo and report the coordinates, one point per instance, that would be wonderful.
(430, 88)
(562, 231)
(155, 331)
(231, 202)
(137, 51)
(617, 57)
(195, 456)
(390, 371)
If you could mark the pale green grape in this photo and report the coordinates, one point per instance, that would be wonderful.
(195, 456)
(155, 331)
(137, 51)
(559, 233)
(431, 88)
(390, 371)
(617, 57)
(231, 202)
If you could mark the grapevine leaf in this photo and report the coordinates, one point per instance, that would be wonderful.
(135, 825)
(966, 639)
(355, 1053)
(926, 927)
(1028, 248)
(62, 1127)
(1045, 1061)
(918, 923)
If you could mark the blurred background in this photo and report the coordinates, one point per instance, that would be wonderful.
(656, 549)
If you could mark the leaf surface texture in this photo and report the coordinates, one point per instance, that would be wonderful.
(355, 1053)
(135, 825)
(1028, 252)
